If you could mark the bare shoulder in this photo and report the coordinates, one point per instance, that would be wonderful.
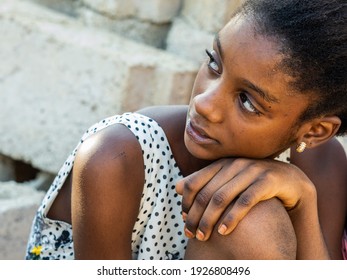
(111, 155)
(328, 155)
(107, 183)
(169, 117)
(266, 232)
(326, 166)
(165, 113)
(108, 147)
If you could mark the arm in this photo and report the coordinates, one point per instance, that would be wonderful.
(326, 166)
(107, 182)
(207, 194)
(311, 243)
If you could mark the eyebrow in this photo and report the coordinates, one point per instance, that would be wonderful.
(263, 93)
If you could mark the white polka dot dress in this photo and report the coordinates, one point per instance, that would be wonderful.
(158, 230)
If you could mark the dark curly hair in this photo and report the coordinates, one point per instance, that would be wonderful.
(312, 35)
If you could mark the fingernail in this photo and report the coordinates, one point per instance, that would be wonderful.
(188, 233)
(184, 216)
(222, 229)
(200, 235)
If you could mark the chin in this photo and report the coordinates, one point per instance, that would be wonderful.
(198, 151)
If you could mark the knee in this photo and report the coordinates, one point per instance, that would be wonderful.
(265, 233)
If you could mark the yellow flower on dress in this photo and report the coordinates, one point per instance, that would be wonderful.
(36, 250)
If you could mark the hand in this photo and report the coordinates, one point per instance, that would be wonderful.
(229, 188)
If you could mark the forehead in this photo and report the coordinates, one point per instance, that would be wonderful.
(240, 36)
(256, 57)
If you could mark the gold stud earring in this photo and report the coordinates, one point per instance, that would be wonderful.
(301, 147)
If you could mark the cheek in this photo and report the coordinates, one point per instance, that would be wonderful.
(277, 140)
(249, 140)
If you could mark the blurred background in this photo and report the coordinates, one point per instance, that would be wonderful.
(66, 64)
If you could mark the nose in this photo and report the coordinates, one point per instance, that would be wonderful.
(209, 104)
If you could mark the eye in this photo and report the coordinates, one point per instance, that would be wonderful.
(212, 64)
(247, 104)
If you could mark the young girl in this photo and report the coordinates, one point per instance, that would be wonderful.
(274, 79)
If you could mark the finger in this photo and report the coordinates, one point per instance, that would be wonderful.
(220, 201)
(243, 204)
(216, 197)
(189, 186)
(197, 209)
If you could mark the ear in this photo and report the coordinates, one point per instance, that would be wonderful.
(318, 131)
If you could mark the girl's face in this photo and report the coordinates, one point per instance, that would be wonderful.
(242, 103)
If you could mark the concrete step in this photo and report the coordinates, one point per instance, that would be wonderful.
(57, 77)
(18, 204)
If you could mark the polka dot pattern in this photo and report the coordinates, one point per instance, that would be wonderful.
(158, 231)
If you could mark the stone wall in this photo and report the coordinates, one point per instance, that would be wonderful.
(65, 64)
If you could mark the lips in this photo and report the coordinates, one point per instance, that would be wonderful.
(198, 135)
